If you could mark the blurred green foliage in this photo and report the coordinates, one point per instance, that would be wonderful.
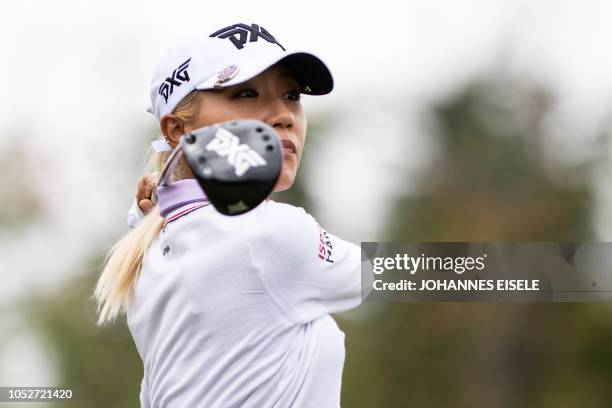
(486, 184)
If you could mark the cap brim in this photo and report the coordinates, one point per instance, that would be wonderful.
(309, 70)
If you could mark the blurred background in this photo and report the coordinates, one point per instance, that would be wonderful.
(482, 120)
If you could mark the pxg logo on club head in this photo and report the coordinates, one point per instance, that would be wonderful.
(237, 163)
(241, 156)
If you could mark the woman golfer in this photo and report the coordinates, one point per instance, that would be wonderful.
(233, 311)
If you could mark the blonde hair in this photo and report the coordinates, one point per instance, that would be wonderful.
(124, 259)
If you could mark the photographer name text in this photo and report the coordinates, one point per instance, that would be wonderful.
(459, 285)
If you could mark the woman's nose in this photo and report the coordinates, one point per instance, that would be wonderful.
(279, 116)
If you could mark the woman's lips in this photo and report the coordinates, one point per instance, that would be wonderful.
(289, 146)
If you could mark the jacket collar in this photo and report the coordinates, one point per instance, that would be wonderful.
(178, 194)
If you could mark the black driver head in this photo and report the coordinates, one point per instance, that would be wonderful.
(237, 163)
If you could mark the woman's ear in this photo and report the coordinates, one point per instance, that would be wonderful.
(173, 128)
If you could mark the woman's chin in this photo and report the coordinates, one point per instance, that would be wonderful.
(285, 181)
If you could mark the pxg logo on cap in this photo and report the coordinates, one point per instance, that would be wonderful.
(238, 34)
(179, 75)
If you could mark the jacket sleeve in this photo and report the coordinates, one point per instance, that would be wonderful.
(307, 270)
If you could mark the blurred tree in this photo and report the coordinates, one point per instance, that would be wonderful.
(487, 184)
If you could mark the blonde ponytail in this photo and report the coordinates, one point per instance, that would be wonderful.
(124, 260)
(123, 263)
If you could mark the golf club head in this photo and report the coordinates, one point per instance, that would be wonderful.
(237, 163)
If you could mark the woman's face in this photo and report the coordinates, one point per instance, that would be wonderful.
(272, 97)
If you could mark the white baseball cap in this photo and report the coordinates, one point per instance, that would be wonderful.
(229, 56)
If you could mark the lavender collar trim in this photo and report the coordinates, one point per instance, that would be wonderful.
(178, 194)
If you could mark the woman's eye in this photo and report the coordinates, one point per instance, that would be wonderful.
(247, 93)
(293, 95)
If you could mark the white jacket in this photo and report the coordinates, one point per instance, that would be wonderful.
(234, 311)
